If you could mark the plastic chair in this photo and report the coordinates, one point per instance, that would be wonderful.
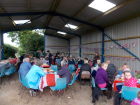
(73, 80)
(79, 65)
(60, 84)
(54, 68)
(58, 61)
(72, 68)
(92, 82)
(129, 93)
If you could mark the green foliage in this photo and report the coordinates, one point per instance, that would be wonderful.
(138, 76)
(9, 51)
(28, 40)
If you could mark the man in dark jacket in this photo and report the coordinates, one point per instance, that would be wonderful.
(111, 72)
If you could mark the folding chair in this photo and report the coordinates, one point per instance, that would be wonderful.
(54, 67)
(73, 79)
(72, 68)
(58, 61)
(60, 85)
(85, 75)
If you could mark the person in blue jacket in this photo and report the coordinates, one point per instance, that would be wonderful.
(34, 75)
(24, 68)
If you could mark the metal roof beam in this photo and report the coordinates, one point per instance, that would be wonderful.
(3, 9)
(53, 14)
(55, 4)
(48, 34)
(71, 33)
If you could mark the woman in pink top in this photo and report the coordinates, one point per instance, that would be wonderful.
(129, 80)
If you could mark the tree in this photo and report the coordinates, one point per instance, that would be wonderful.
(28, 40)
(9, 51)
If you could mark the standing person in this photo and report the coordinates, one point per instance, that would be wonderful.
(111, 72)
(49, 55)
(96, 57)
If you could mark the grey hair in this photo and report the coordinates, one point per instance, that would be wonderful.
(38, 62)
(25, 59)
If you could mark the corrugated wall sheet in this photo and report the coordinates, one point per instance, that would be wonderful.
(127, 33)
(55, 44)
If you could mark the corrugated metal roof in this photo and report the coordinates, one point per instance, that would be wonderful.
(74, 8)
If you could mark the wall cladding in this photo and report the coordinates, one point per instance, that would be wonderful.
(55, 44)
(74, 46)
(89, 45)
(1, 42)
(128, 30)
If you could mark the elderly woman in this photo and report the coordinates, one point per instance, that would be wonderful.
(24, 68)
(34, 75)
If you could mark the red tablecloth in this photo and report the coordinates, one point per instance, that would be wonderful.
(48, 80)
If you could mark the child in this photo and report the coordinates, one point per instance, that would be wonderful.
(129, 80)
(136, 101)
(101, 78)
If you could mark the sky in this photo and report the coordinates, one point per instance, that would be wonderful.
(7, 40)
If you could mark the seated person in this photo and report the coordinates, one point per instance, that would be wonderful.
(34, 75)
(124, 68)
(64, 62)
(43, 60)
(71, 61)
(129, 80)
(24, 68)
(101, 78)
(65, 73)
(95, 68)
(85, 67)
(80, 61)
